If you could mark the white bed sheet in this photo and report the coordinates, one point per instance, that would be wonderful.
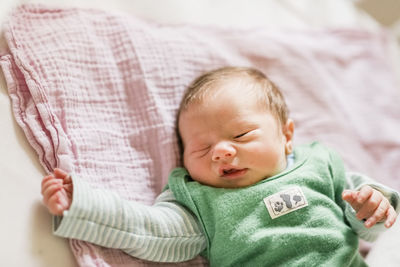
(26, 238)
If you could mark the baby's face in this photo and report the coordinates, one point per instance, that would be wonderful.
(230, 141)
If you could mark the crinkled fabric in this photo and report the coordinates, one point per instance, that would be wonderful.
(96, 93)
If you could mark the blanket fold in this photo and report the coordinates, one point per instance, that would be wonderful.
(96, 93)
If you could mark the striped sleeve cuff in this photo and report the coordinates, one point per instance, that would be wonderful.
(70, 224)
(98, 216)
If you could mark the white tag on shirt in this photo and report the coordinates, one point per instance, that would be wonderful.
(285, 202)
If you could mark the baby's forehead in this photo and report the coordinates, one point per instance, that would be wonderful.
(235, 87)
(224, 106)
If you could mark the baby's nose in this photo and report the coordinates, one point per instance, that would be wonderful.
(223, 151)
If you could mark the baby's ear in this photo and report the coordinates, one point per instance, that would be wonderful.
(288, 131)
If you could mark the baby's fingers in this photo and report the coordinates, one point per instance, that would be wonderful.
(57, 204)
(51, 188)
(391, 216)
(364, 194)
(60, 174)
(351, 197)
(68, 188)
(379, 214)
(372, 205)
(46, 182)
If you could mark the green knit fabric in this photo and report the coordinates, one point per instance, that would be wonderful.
(241, 232)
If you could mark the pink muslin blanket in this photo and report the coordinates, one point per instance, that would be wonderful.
(97, 93)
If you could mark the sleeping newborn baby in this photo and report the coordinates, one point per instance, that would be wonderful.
(245, 195)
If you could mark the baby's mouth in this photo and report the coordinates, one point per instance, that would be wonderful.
(232, 172)
(229, 171)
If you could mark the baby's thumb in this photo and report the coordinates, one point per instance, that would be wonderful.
(350, 196)
(59, 173)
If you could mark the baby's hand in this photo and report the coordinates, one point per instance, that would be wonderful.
(57, 192)
(372, 205)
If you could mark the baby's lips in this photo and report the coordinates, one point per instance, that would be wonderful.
(226, 168)
(229, 169)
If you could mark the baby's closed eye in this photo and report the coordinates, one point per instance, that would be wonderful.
(202, 151)
(245, 135)
(241, 135)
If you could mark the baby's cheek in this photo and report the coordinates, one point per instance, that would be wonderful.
(197, 169)
(269, 160)
(261, 153)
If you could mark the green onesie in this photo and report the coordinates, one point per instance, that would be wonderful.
(295, 218)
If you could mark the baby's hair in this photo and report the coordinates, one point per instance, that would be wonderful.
(203, 87)
(267, 92)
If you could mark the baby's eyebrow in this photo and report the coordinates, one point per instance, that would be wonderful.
(246, 123)
(245, 126)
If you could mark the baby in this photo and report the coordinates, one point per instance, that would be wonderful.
(245, 197)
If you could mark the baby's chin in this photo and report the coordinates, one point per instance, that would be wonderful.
(255, 179)
(249, 178)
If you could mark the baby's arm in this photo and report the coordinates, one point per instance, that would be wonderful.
(371, 205)
(57, 192)
(164, 232)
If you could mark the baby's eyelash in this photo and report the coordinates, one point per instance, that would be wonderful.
(204, 150)
(240, 135)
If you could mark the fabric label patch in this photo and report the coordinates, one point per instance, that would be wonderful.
(285, 202)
